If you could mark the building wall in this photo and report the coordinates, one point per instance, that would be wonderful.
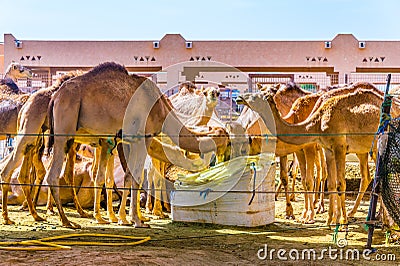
(1, 59)
(343, 58)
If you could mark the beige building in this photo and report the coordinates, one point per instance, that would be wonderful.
(237, 64)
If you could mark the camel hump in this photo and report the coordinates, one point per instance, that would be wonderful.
(108, 66)
(60, 80)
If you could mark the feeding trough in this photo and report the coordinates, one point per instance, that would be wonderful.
(237, 192)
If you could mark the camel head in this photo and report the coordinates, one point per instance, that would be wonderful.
(187, 88)
(270, 88)
(262, 104)
(17, 71)
(255, 101)
(211, 94)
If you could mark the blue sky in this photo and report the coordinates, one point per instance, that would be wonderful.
(199, 20)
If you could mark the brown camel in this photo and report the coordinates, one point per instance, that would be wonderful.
(76, 107)
(303, 107)
(306, 154)
(339, 125)
(32, 122)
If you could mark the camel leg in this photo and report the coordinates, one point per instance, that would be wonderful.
(164, 189)
(332, 189)
(13, 161)
(365, 180)
(50, 203)
(52, 177)
(323, 175)
(340, 158)
(23, 178)
(284, 179)
(309, 183)
(109, 185)
(129, 182)
(157, 208)
(293, 174)
(303, 173)
(122, 208)
(40, 173)
(69, 179)
(318, 177)
(150, 183)
(100, 180)
(136, 162)
(278, 189)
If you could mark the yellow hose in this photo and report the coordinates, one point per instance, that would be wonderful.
(54, 245)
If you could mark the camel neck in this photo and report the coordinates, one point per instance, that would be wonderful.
(296, 134)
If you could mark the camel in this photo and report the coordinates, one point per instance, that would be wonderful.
(308, 104)
(77, 105)
(82, 177)
(306, 154)
(13, 72)
(194, 107)
(33, 122)
(11, 98)
(339, 125)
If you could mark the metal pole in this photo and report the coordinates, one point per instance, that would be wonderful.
(371, 218)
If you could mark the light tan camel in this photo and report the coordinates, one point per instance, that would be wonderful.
(339, 125)
(11, 98)
(194, 107)
(13, 72)
(78, 104)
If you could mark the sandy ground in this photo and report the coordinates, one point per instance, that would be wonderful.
(176, 243)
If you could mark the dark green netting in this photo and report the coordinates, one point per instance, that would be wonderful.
(389, 172)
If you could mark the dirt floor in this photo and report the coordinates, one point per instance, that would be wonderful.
(176, 243)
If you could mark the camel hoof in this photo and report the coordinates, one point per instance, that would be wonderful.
(71, 225)
(112, 219)
(290, 217)
(350, 215)
(23, 208)
(39, 219)
(311, 221)
(99, 219)
(50, 212)
(8, 222)
(85, 215)
(159, 215)
(144, 219)
(124, 222)
(141, 225)
(102, 221)
(320, 210)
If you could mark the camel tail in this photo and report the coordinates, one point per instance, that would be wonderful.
(50, 143)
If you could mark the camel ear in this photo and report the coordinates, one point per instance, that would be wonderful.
(259, 86)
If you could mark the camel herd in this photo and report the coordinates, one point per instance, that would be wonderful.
(118, 113)
(343, 120)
